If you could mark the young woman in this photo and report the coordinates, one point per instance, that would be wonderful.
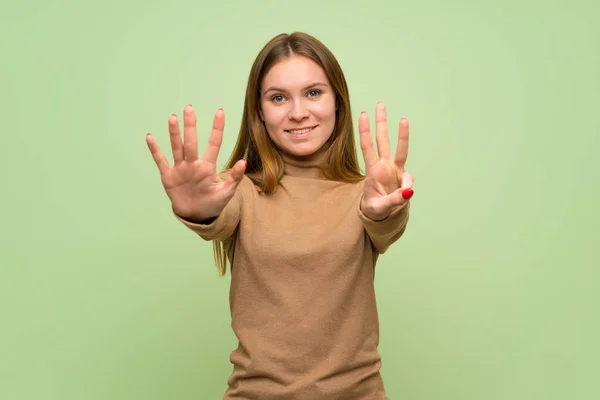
(300, 225)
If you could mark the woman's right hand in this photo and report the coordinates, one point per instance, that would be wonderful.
(196, 191)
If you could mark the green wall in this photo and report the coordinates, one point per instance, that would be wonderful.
(492, 294)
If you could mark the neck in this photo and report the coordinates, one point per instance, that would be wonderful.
(304, 166)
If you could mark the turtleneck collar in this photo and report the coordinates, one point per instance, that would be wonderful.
(305, 166)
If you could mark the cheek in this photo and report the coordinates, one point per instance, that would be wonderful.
(324, 108)
(273, 116)
(324, 111)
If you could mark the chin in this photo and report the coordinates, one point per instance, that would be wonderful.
(300, 146)
(303, 149)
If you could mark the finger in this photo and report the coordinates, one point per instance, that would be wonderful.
(189, 134)
(383, 140)
(407, 181)
(175, 137)
(159, 158)
(366, 141)
(402, 146)
(216, 138)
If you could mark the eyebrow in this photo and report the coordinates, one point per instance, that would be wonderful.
(276, 89)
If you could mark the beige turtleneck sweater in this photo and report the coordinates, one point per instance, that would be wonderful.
(302, 296)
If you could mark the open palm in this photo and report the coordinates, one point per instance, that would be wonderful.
(387, 184)
(195, 189)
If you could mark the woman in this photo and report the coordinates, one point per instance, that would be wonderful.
(300, 225)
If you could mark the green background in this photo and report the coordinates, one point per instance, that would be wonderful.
(493, 293)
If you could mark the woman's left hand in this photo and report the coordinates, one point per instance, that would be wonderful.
(387, 184)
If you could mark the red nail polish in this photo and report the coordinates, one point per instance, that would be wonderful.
(407, 194)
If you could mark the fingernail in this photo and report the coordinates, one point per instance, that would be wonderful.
(407, 194)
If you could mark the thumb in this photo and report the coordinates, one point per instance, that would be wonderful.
(399, 196)
(406, 189)
(236, 173)
(404, 192)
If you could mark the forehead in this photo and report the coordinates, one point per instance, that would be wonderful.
(294, 72)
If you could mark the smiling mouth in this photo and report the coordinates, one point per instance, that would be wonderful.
(300, 131)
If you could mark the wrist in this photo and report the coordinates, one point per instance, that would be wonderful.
(194, 218)
(374, 216)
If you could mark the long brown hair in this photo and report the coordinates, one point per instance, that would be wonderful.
(264, 164)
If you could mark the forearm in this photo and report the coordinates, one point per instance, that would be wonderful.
(384, 232)
(219, 227)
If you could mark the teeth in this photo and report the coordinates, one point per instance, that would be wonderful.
(300, 131)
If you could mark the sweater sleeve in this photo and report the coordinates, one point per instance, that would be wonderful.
(385, 232)
(224, 225)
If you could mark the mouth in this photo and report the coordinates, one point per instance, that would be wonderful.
(300, 132)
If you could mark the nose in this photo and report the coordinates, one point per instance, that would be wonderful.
(298, 111)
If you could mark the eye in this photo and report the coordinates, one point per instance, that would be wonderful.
(277, 98)
(314, 93)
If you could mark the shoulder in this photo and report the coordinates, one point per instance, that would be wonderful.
(247, 184)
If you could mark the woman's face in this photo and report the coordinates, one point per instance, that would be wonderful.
(298, 106)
